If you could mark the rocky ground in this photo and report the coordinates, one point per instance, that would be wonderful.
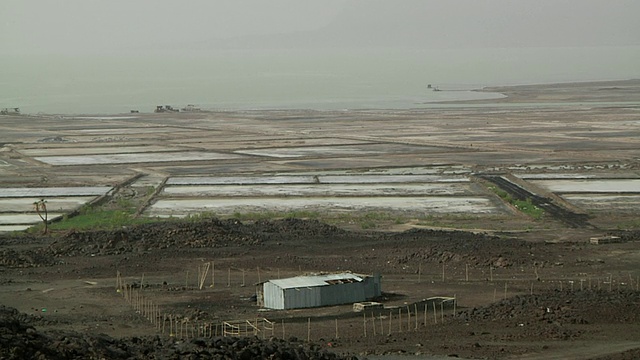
(19, 339)
(567, 298)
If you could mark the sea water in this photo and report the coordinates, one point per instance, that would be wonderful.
(293, 79)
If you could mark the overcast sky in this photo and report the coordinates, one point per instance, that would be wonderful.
(113, 26)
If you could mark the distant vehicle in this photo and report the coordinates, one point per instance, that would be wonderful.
(190, 108)
(10, 111)
(166, 109)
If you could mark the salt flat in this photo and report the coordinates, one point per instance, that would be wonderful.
(47, 192)
(25, 204)
(591, 186)
(134, 158)
(86, 150)
(563, 145)
(318, 190)
(18, 219)
(442, 205)
(605, 203)
(240, 180)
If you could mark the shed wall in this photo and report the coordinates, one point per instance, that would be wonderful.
(273, 296)
(304, 297)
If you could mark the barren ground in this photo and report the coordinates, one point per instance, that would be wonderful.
(525, 288)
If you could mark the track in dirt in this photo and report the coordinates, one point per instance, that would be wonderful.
(568, 217)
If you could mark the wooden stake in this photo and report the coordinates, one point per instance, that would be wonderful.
(610, 282)
(283, 337)
(425, 315)
(455, 304)
(442, 311)
(491, 273)
(415, 307)
(242, 278)
(435, 313)
(390, 317)
(467, 272)
(364, 323)
(419, 271)
(337, 329)
(408, 318)
(213, 274)
(373, 323)
(399, 320)
(203, 275)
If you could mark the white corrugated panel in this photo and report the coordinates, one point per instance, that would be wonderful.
(310, 281)
(273, 296)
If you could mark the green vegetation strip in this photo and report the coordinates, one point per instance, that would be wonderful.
(525, 206)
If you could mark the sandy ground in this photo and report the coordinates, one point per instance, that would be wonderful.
(587, 136)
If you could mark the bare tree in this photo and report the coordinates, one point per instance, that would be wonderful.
(41, 209)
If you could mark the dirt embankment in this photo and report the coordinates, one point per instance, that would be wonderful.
(424, 245)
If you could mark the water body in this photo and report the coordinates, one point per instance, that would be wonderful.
(294, 79)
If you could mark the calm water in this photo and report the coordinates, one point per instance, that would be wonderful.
(329, 79)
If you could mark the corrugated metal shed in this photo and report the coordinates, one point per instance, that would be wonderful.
(320, 290)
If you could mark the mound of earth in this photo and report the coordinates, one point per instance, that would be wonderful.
(430, 246)
(551, 315)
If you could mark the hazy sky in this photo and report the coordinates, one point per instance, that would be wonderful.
(112, 26)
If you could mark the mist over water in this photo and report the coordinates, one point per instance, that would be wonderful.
(288, 79)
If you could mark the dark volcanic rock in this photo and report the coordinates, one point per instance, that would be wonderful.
(437, 246)
(22, 341)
